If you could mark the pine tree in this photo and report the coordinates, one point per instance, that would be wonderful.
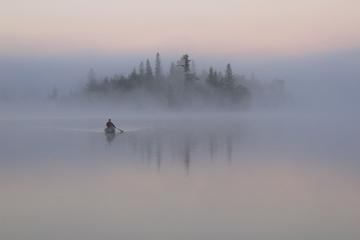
(229, 82)
(212, 78)
(133, 78)
(158, 68)
(133, 74)
(186, 63)
(148, 71)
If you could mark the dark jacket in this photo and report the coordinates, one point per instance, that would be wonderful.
(110, 124)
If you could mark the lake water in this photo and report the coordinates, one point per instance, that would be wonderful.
(171, 176)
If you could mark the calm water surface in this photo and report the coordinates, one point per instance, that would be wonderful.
(253, 176)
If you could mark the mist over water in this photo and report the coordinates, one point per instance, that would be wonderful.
(277, 174)
(237, 120)
(288, 170)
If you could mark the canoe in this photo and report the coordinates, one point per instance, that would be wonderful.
(110, 130)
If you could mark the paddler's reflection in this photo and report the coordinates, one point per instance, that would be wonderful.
(110, 137)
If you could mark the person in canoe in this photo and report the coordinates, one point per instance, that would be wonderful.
(111, 128)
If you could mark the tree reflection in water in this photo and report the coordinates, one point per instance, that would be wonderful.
(168, 146)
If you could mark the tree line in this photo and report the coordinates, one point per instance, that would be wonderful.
(180, 86)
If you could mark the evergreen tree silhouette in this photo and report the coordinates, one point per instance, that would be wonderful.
(148, 71)
(158, 68)
(141, 70)
(229, 82)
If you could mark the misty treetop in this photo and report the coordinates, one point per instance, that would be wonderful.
(181, 86)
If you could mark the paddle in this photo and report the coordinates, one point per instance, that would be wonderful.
(121, 131)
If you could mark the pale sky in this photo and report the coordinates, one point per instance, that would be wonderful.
(226, 26)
